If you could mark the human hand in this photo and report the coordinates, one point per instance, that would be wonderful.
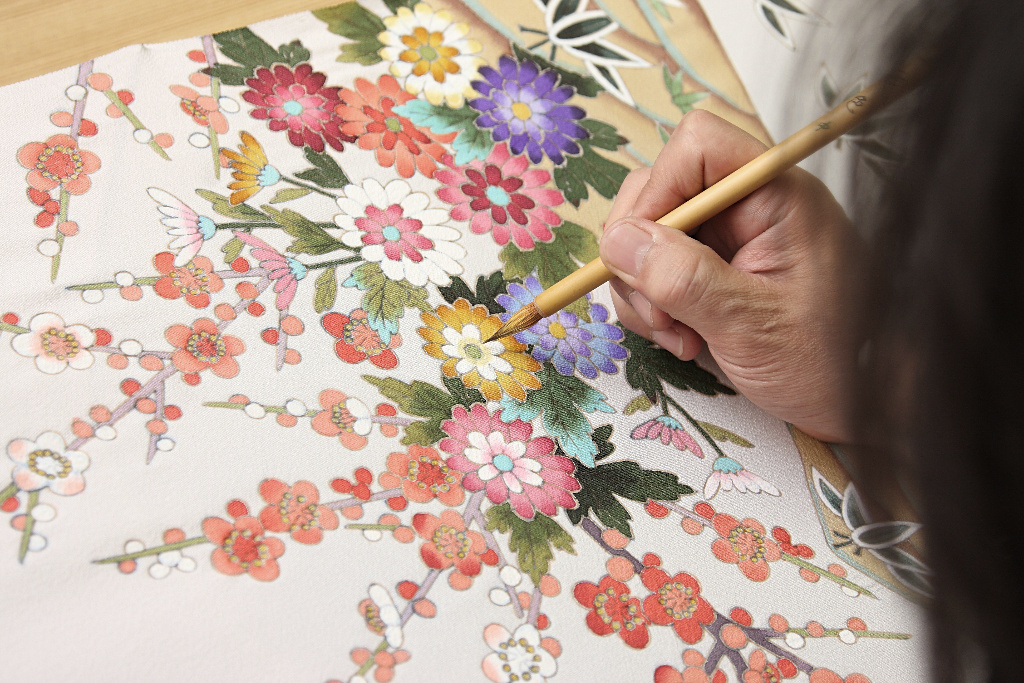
(766, 284)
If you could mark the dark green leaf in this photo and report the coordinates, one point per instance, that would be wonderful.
(912, 580)
(788, 6)
(487, 290)
(589, 168)
(769, 14)
(876, 149)
(393, 5)
(603, 51)
(462, 394)
(419, 399)
(648, 367)
(583, 27)
(246, 48)
(602, 437)
(602, 135)
(828, 90)
(353, 21)
(385, 300)
(221, 205)
(884, 534)
(626, 479)
(532, 541)
(584, 85)
(310, 238)
(229, 74)
(293, 53)
(326, 171)
(326, 289)
(828, 494)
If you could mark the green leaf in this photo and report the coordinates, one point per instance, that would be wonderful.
(471, 142)
(723, 434)
(241, 212)
(232, 248)
(310, 238)
(326, 289)
(660, 8)
(769, 14)
(487, 290)
(583, 27)
(584, 85)
(419, 399)
(463, 395)
(552, 260)
(385, 300)
(589, 168)
(674, 84)
(248, 49)
(286, 194)
(788, 6)
(532, 541)
(662, 133)
(229, 74)
(562, 400)
(393, 5)
(605, 483)
(326, 171)
(648, 367)
(602, 437)
(602, 135)
(293, 53)
(640, 403)
(351, 20)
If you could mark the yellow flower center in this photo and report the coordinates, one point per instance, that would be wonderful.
(521, 111)
(556, 330)
(46, 463)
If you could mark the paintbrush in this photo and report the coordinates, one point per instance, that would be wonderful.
(730, 189)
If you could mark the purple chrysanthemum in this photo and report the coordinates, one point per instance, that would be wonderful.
(522, 104)
(571, 344)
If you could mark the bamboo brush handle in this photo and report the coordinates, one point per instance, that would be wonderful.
(746, 179)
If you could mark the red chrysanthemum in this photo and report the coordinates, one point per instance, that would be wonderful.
(296, 509)
(194, 281)
(613, 610)
(297, 101)
(677, 601)
(357, 341)
(397, 141)
(243, 548)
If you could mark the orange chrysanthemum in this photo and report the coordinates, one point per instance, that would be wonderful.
(455, 335)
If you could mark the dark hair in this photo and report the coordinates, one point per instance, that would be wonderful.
(942, 400)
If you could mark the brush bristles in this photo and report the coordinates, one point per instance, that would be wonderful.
(523, 319)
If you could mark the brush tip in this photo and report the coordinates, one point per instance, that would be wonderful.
(523, 319)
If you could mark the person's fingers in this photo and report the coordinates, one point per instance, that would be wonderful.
(627, 194)
(682, 277)
(702, 150)
(677, 338)
(653, 317)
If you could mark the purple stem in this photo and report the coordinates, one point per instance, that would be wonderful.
(595, 532)
(352, 502)
(420, 594)
(76, 118)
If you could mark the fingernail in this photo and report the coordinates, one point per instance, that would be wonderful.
(625, 247)
(642, 306)
(670, 340)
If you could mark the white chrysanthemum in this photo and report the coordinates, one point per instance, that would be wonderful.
(431, 52)
(395, 228)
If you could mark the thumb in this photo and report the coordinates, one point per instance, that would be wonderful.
(676, 273)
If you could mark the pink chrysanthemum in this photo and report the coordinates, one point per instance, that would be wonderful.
(499, 195)
(502, 459)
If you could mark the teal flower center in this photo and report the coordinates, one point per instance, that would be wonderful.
(207, 228)
(727, 465)
(393, 124)
(391, 233)
(298, 270)
(268, 176)
(498, 196)
(502, 462)
(292, 107)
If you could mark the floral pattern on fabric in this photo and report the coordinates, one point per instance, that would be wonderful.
(571, 503)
